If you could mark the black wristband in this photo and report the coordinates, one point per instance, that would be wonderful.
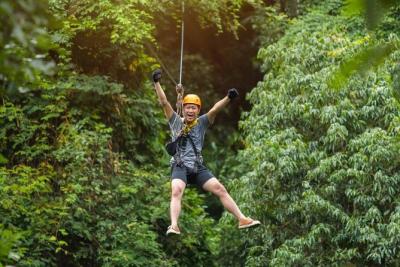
(232, 93)
(156, 76)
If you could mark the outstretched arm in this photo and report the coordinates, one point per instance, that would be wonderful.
(162, 98)
(232, 93)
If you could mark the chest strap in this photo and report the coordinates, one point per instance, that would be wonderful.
(199, 158)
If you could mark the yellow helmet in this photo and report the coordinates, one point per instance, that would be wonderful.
(192, 99)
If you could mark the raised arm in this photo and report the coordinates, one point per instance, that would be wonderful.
(162, 98)
(212, 113)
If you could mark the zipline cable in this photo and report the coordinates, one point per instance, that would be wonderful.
(182, 38)
(179, 88)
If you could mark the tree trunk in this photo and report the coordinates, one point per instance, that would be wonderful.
(283, 5)
(292, 8)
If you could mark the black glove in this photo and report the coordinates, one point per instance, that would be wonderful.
(156, 75)
(232, 93)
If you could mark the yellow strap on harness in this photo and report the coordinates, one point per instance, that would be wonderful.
(186, 129)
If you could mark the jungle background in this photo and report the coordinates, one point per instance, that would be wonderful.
(310, 148)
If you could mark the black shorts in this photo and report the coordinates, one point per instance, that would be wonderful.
(189, 177)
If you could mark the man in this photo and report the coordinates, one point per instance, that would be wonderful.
(187, 164)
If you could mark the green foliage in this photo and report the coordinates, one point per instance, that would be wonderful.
(81, 175)
(111, 38)
(320, 167)
(84, 203)
(270, 24)
(24, 43)
(7, 240)
(224, 15)
(370, 57)
(378, 50)
(109, 221)
(373, 10)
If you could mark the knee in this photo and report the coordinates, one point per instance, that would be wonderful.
(220, 190)
(176, 192)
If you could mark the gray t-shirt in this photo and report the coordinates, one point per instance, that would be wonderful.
(187, 154)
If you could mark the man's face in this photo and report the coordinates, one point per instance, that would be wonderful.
(190, 112)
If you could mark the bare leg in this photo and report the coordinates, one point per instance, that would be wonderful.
(177, 188)
(215, 187)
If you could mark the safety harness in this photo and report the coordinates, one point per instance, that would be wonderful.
(176, 147)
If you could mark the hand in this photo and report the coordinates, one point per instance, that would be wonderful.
(232, 93)
(156, 75)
